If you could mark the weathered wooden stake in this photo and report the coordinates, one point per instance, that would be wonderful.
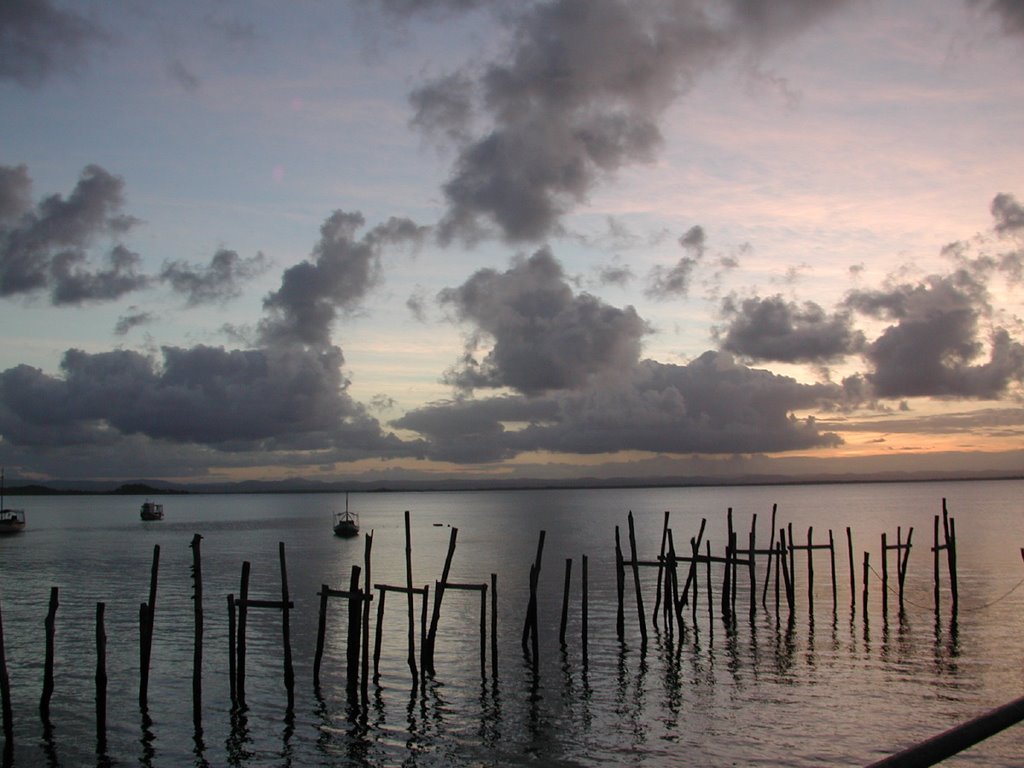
(673, 574)
(771, 550)
(364, 682)
(787, 572)
(232, 667)
(494, 626)
(530, 630)
(101, 680)
(321, 632)
(935, 560)
(412, 602)
(51, 628)
(585, 608)
(439, 588)
(902, 557)
(885, 577)
(636, 581)
(286, 632)
(810, 571)
(853, 576)
(832, 560)
(355, 614)
(620, 588)
(5, 691)
(197, 611)
(661, 570)
(752, 544)
(565, 602)
(864, 596)
(147, 619)
(483, 632)
(711, 597)
(727, 571)
(243, 615)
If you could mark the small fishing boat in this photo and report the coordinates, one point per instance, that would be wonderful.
(346, 524)
(151, 511)
(11, 520)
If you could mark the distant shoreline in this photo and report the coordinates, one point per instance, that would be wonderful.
(143, 488)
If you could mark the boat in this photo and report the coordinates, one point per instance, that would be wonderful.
(11, 520)
(151, 511)
(346, 524)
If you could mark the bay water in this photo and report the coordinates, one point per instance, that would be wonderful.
(836, 684)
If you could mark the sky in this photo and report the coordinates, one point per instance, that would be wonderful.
(493, 239)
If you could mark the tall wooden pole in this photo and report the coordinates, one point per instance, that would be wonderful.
(412, 602)
(197, 610)
(50, 625)
(101, 680)
(286, 632)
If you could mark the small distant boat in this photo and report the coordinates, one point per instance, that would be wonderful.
(151, 511)
(346, 524)
(11, 520)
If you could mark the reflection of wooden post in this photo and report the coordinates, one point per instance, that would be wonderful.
(197, 649)
(5, 692)
(51, 628)
(101, 680)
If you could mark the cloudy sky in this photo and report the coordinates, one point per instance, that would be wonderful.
(498, 238)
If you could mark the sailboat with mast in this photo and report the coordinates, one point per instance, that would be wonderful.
(346, 524)
(11, 520)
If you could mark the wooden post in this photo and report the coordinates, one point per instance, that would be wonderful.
(232, 671)
(321, 632)
(885, 577)
(412, 602)
(810, 571)
(853, 576)
(752, 544)
(792, 561)
(51, 628)
(364, 682)
(428, 650)
(286, 632)
(355, 613)
(101, 680)
(935, 560)
(197, 646)
(584, 607)
(902, 558)
(378, 631)
(620, 583)
(673, 575)
(864, 596)
(565, 602)
(636, 581)
(778, 570)
(832, 560)
(771, 550)
(483, 632)
(5, 692)
(727, 571)
(711, 599)
(530, 625)
(951, 552)
(661, 570)
(494, 627)
(147, 620)
(787, 575)
(243, 611)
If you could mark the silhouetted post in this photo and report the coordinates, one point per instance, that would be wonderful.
(902, 558)
(494, 626)
(51, 628)
(355, 612)
(620, 588)
(584, 608)
(935, 559)
(853, 576)
(636, 581)
(565, 602)
(5, 691)
(711, 598)
(378, 630)
(771, 551)
(232, 668)
(885, 577)
(147, 619)
(661, 570)
(412, 602)
(864, 596)
(286, 632)
(753, 569)
(792, 559)
(810, 571)
(530, 625)
(364, 681)
(691, 575)
(951, 552)
(101, 680)
(197, 611)
(673, 575)
(787, 575)
(832, 561)
(243, 614)
(727, 574)
(483, 631)
(428, 651)
(321, 632)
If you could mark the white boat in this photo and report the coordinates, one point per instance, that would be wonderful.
(151, 511)
(346, 524)
(11, 520)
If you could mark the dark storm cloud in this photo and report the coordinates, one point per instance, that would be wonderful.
(712, 405)
(274, 399)
(931, 348)
(1008, 213)
(1011, 13)
(675, 281)
(773, 329)
(216, 283)
(544, 337)
(15, 193)
(45, 247)
(342, 270)
(37, 39)
(579, 94)
(75, 284)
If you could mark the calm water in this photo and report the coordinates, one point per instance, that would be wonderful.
(832, 687)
